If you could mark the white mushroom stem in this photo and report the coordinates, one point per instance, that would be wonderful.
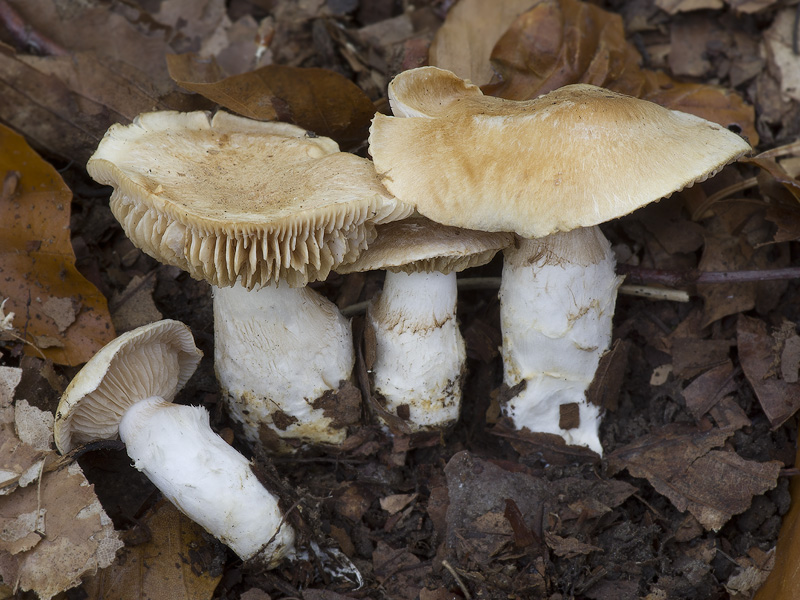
(557, 301)
(420, 352)
(277, 349)
(205, 478)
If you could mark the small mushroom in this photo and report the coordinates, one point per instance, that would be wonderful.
(419, 349)
(249, 205)
(126, 391)
(550, 170)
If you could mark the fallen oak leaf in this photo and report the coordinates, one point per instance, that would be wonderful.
(319, 100)
(678, 461)
(560, 42)
(760, 361)
(37, 262)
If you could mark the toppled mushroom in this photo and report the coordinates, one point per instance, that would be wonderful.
(126, 390)
(246, 205)
(419, 350)
(548, 169)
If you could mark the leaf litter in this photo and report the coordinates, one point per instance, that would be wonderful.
(690, 497)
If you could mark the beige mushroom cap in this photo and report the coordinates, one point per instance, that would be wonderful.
(418, 244)
(228, 198)
(578, 156)
(152, 360)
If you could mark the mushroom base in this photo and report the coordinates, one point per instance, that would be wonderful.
(419, 349)
(278, 351)
(557, 302)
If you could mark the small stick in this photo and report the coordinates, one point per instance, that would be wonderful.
(695, 277)
(460, 583)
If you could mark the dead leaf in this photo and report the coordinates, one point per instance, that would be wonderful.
(180, 562)
(38, 264)
(779, 41)
(677, 6)
(319, 100)
(560, 42)
(679, 463)
(693, 356)
(709, 388)
(771, 166)
(134, 306)
(397, 502)
(477, 25)
(397, 571)
(779, 399)
(54, 529)
(568, 547)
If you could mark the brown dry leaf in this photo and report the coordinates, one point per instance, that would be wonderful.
(569, 547)
(760, 357)
(114, 71)
(784, 580)
(679, 463)
(477, 25)
(676, 6)
(750, 6)
(398, 571)
(692, 356)
(779, 40)
(176, 563)
(560, 42)
(709, 388)
(773, 168)
(54, 529)
(37, 262)
(319, 100)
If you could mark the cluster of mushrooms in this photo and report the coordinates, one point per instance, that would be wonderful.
(259, 210)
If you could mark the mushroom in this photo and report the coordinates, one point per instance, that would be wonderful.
(246, 205)
(419, 350)
(550, 170)
(126, 391)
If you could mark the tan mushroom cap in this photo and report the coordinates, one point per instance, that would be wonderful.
(228, 198)
(152, 360)
(578, 156)
(418, 244)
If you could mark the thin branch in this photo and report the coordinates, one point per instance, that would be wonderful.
(695, 277)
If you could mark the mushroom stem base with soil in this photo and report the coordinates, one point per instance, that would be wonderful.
(557, 301)
(205, 478)
(277, 350)
(420, 352)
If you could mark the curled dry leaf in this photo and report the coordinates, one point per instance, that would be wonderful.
(54, 529)
(179, 561)
(319, 100)
(560, 42)
(680, 463)
(37, 263)
(760, 356)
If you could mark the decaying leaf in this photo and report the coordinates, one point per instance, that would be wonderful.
(680, 463)
(559, 42)
(37, 263)
(179, 561)
(761, 362)
(780, 40)
(395, 569)
(54, 529)
(319, 100)
(709, 388)
(477, 25)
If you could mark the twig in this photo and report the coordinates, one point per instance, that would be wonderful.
(493, 283)
(460, 583)
(25, 35)
(695, 277)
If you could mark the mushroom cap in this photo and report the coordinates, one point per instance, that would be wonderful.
(419, 244)
(229, 198)
(578, 156)
(153, 360)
